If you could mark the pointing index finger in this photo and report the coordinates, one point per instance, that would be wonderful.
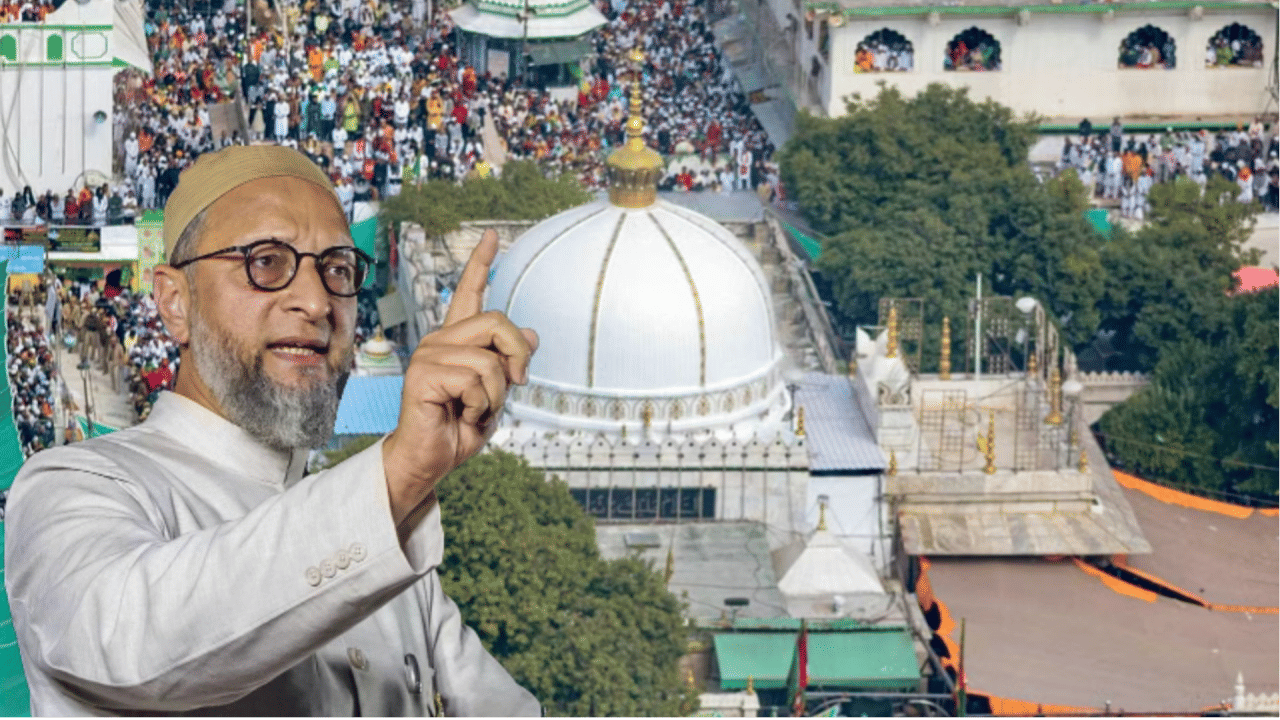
(468, 298)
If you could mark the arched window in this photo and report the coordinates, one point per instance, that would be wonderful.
(1148, 47)
(883, 51)
(53, 48)
(1235, 45)
(9, 48)
(973, 49)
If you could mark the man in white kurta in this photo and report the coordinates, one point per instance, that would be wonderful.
(188, 565)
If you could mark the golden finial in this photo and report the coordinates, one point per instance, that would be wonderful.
(1055, 396)
(624, 432)
(944, 355)
(647, 415)
(1032, 369)
(634, 168)
(822, 516)
(990, 450)
(751, 683)
(891, 349)
(800, 421)
(689, 679)
(893, 464)
(1083, 464)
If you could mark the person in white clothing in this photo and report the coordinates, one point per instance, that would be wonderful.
(186, 564)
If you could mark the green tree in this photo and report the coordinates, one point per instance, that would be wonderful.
(1209, 417)
(1167, 283)
(588, 636)
(522, 193)
(919, 195)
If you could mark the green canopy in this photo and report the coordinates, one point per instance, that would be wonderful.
(15, 699)
(860, 659)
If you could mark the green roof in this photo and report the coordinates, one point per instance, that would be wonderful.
(839, 660)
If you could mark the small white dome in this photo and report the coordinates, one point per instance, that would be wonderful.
(655, 311)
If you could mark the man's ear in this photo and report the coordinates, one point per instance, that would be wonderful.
(173, 300)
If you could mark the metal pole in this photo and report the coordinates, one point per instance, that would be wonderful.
(977, 334)
(524, 41)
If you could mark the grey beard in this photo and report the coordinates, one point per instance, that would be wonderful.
(278, 416)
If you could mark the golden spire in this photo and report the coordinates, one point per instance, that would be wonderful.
(990, 450)
(800, 421)
(891, 349)
(893, 464)
(1083, 464)
(1031, 364)
(944, 354)
(634, 168)
(751, 683)
(822, 516)
(1055, 396)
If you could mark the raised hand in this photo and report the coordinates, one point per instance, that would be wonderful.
(454, 390)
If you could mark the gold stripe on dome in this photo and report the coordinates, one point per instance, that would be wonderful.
(697, 302)
(595, 304)
(515, 286)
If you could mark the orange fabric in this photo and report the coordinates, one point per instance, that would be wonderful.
(1008, 707)
(1115, 584)
(1245, 609)
(1270, 512)
(1177, 497)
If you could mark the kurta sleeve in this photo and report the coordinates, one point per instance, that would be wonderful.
(123, 614)
(470, 681)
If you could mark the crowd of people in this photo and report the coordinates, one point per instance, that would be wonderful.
(94, 206)
(379, 98)
(1148, 47)
(32, 372)
(1123, 167)
(974, 50)
(883, 51)
(1234, 45)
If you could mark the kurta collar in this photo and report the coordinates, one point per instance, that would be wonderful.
(223, 442)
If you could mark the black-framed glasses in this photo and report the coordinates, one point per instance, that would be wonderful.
(271, 265)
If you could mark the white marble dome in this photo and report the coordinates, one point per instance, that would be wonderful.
(653, 316)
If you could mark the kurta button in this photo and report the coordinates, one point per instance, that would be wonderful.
(327, 568)
(343, 560)
(356, 656)
(357, 552)
(313, 575)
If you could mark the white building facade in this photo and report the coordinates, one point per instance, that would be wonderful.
(1057, 60)
(55, 93)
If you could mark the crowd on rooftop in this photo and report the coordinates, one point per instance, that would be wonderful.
(1115, 165)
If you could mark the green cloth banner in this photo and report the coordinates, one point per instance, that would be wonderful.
(811, 246)
(15, 698)
(98, 428)
(365, 236)
(1097, 218)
